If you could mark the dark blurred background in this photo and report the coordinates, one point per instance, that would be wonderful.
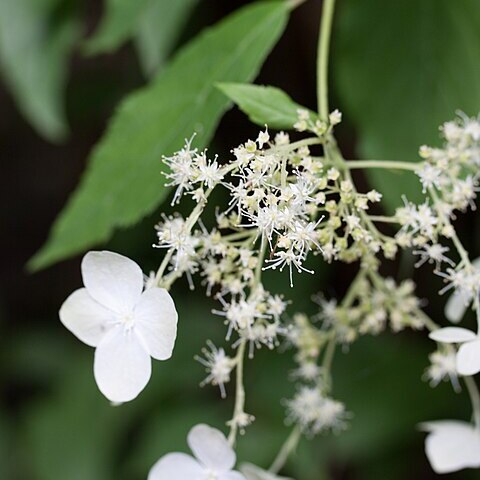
(54, 424)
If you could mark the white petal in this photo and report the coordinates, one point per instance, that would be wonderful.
(85, 317)
(452, 335)
(156, 322)
(455, 307)
(176, 466)
(113, 280)
(468, 358)
(211, 448)
(122, 366)
(452, 446)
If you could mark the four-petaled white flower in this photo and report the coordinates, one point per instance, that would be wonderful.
(468, 356)
(126, 326)
(452, 445)
(214, 460)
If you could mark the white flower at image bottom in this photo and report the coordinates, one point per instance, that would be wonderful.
(214, 459)
(468, 356)
(452, 445)
(126, 324)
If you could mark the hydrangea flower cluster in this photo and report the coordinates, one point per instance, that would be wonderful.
(286, 201)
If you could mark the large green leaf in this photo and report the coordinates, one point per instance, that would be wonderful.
(123, 181)
(263, 105)
(158, 29)
(153, 24)
(118, 23)
(34, 51)
(401, 69)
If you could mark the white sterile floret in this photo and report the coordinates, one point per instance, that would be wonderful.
(468, 356)
(252, 472)
(213, 459)
(126, 326)
(452, 445)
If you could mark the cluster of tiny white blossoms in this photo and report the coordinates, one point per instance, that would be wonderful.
(286, 201)
(369, 310)
(449, 177)
(312, 408)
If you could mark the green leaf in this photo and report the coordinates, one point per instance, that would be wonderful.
(158, 29)
(153, 24)
(401, 70)
(123, 181)
(117, 25)
(263, 105)
(34, 51)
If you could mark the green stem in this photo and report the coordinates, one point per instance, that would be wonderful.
(287, 448)
(239, 406)
(232, 237)
(474, 397)
(388, 164)
(352, 291)
(294, 145)
(261, 256)
(456, 241)
(239, 392)
(328, 356)
(322, 57)
(427, 321)
(383, 219)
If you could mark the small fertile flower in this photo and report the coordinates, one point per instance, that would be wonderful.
(316, 413)
(458, 302)
(213, 459)
(452, 445)
(434, 253)
(219, 366)
(125, 324)
(443, 366)
(468, 356)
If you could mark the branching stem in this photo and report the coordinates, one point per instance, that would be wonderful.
(387, 164)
